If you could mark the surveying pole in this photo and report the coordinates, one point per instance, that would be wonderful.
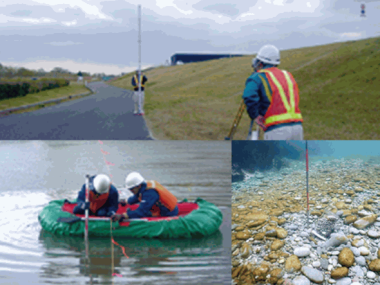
(139, 42)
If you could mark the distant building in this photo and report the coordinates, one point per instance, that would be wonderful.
(181, 58)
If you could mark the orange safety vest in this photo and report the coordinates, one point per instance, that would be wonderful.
(165, 197)
(285, 97)
(97, 201)
(141, 80)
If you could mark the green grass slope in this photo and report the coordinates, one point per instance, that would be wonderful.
(339, 93)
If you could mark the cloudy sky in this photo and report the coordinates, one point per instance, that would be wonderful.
(101, 35)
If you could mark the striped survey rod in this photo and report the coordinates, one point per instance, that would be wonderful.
(86, 216)
(307, 183)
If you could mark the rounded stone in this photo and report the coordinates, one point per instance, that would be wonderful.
(371, 275)
(339, 273)
(346, 257)
(277, 244)
(301, 280)
(313, 274)
(375, 265)
(302, 251)
(364, 250)
(373, 234)
(292, 264)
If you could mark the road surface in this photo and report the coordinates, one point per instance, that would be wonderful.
(108, 114)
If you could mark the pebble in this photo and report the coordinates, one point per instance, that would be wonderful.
(335, 253)
(316, 264)
(373, 234)
(335, 240)
(332, 281)
(359, 243)
(301, 280)
(360, 260)
(356, 283)
(354, 231)
(313, 274)
(358, 271)
(371, 275)
(355, 251)
(302, 251)
(324, 263)
(363, 250)
(241, 207)
(344, 281)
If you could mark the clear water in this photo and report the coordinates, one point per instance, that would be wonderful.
(36, 172)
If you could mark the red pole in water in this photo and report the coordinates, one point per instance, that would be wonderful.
(307, 183)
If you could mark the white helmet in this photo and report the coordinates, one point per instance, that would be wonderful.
(134, 179)
(102, 183)
(269, 54)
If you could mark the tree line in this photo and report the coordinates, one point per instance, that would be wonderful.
(12, 72)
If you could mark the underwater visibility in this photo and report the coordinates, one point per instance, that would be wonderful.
(288, 231)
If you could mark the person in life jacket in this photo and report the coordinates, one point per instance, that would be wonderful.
(103, 197)
(139, 100)
(155, 200)
(272, 97)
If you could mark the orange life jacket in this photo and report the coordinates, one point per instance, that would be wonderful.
(97, 201)
(166, 198)
(285, 97)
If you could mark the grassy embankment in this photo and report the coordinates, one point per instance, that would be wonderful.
(73, 89)
(339, 93)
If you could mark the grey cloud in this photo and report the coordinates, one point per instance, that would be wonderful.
(39, 11)
(27, 10)
(21, 13)
(225, 7)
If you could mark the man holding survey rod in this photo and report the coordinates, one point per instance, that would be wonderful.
(103, 197)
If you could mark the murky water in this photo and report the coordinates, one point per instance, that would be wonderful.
(36, 172)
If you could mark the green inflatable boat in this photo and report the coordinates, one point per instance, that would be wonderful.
(195, 219)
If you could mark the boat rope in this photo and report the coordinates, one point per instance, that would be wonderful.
(307, 183)
(105, 160)
(108, 164)
(112, 257)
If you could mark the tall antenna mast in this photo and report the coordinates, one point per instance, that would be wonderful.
(139, 41)
(139, 38)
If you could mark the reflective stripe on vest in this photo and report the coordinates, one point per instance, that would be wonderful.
(137, 82)
(266, 88)
(165, 197)
(97, 201)
(291, 115)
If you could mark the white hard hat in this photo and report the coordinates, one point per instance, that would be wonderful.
(102, 183)
(134, 179)
(269, 54)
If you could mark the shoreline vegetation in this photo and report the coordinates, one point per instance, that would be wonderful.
(73, 89)
(338, 85)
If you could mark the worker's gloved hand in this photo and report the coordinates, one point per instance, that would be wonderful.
(123, 202)
(110, 213)
(84, 205)
(117, 217)
(260, 121)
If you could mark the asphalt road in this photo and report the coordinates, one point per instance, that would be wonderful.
(107, 114)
